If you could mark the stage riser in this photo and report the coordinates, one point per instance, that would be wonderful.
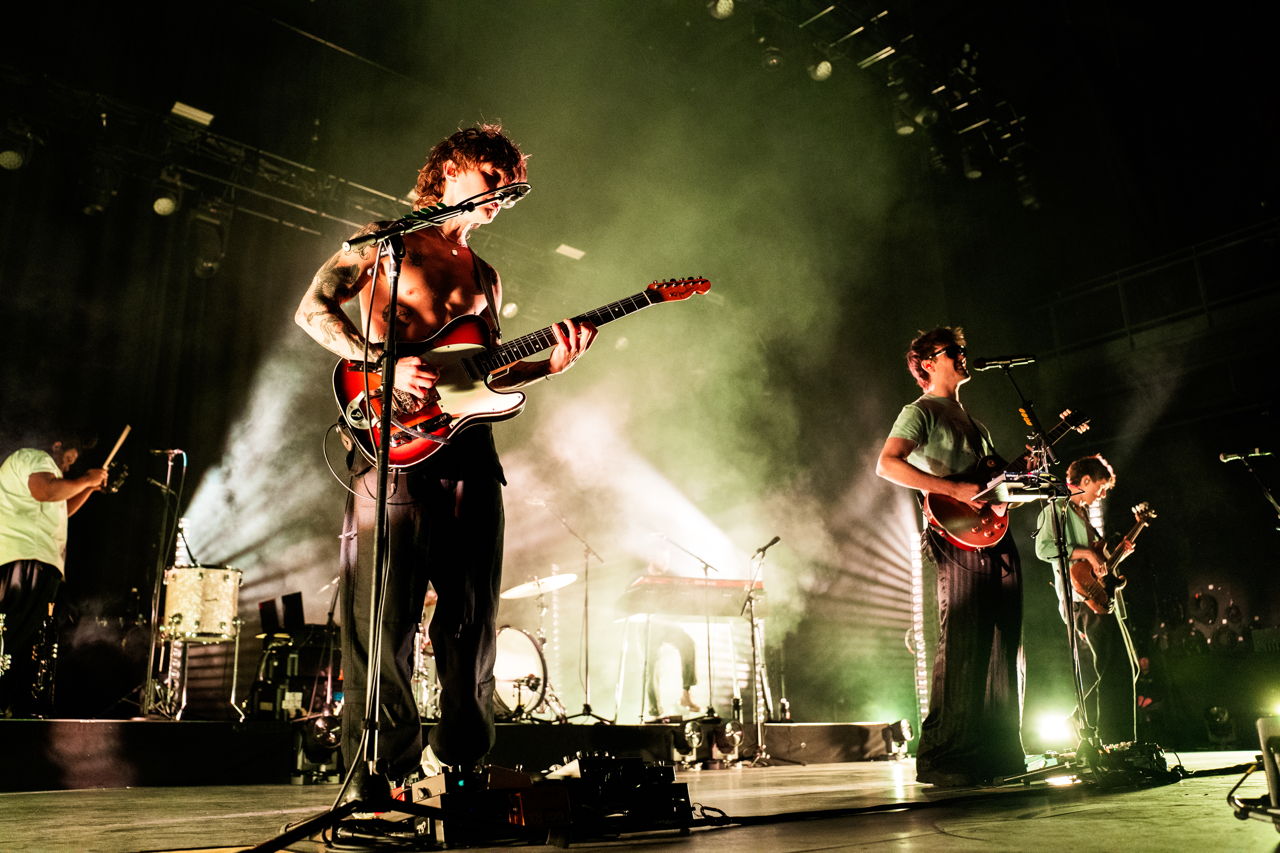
(45, 755)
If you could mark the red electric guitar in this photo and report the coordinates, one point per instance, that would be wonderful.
(463, 353)
(973, 530)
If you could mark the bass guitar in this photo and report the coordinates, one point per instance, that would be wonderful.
(1099, 587)
(970, 529)
(463, 354)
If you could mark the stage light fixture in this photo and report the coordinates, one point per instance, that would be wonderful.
(767, 30)
(166, 193)
(720, 9)
(210, 227)
(100, 184)
(16, 145)
(910, 93)
(820, 70)
(1056, 729)
(969, 163)
(903, 125)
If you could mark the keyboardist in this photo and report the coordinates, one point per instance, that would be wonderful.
(664, 633)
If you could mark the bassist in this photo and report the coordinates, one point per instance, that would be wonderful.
(973, 730)
(1112, 694)
(445, 515)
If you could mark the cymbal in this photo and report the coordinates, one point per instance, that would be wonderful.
(537, 586)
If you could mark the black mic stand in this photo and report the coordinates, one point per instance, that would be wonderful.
(706, 612)
(1271, 499)
(759, 670)
(587, 553)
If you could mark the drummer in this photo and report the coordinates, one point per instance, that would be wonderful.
(36, 499)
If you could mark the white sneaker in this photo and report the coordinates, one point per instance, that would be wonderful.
(431, 764)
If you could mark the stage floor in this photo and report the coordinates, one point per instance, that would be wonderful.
(1189, 815)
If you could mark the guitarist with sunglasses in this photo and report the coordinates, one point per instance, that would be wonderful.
(973, 730)
(445, 514)
(1114, 668)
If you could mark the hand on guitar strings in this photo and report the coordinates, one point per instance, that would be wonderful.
(414, 377)
(965, 492)
(572, 340)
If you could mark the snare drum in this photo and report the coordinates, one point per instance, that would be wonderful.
(520, 673)
(200, 603)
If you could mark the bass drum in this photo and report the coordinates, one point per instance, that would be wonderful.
(520, 673)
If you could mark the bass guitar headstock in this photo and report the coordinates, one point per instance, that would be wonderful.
(1143, 513)
(677, 289)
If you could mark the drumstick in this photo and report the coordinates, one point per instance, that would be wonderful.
(119, 442)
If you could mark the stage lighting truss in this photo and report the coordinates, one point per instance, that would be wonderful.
(929, 90)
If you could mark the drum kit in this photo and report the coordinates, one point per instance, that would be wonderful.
(522, 689)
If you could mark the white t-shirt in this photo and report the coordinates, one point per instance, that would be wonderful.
(30, 529)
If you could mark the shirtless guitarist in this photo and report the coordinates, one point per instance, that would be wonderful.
(446, 515)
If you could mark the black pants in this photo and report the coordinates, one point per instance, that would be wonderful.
(662, 634)
(974, 724)
(1104, 660)
(449, 533)
(27, 588)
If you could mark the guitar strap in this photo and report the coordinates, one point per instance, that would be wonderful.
(486, 287)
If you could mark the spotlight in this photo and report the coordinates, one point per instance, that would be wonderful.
(911, 94)
(720, 9)
(166, 193)
(1056, 729)
(969, 163)
(100, 184)
(768, 32)
(210, 226)
(16, 145)
(820, 70)
(903, 125)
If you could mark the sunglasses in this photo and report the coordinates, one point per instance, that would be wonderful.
(953, 352)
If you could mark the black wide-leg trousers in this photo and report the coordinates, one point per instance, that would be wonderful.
(974, 724)
(448, 533)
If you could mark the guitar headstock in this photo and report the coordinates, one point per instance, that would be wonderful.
(1074, 421)
(677, 289)
(1143, 512)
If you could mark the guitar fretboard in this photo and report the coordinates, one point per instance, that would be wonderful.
(536, 342)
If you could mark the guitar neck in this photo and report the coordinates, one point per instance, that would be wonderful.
(1132, 536)
(536, 342)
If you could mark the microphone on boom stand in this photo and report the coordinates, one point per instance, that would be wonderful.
(1001, 361)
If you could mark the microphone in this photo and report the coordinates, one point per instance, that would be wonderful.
(169, 453)
(510, 194)
(1248, 454)
(774, 541)
(159, 485)
(1004, 361)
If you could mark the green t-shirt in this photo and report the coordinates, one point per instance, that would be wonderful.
(948, 441)
(1077, 533)
(30, 529)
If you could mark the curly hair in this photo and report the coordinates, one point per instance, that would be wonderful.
(467, 148)
(1094, 467)
(925, 345)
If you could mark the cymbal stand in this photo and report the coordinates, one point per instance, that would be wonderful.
(706, 611)
(550, 701)
(587, 553)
